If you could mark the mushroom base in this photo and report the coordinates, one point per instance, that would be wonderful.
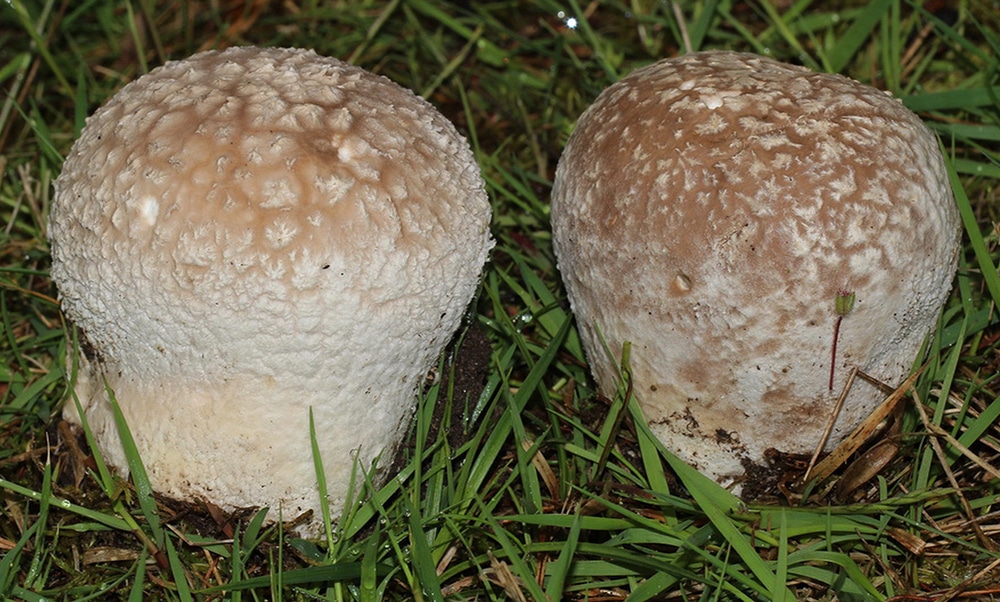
(756, 403)
(188, 449)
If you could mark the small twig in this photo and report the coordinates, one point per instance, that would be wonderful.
(907, 61)
(961, 590)
(936, 431)
(833, 414)
(965, 451)
(855, 440)
(679, 16)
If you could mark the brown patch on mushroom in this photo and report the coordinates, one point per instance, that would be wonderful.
(708, 208)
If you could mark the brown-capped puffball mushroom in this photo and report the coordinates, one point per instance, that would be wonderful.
(721, 211)
(246, 235)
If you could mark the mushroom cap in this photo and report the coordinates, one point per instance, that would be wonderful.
(247, 235)
(711, 209)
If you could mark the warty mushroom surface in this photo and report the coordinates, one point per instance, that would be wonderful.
(247, 235)
(711, 209)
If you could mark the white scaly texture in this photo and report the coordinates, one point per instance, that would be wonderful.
(247, 234)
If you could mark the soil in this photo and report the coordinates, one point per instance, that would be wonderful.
(465, 369)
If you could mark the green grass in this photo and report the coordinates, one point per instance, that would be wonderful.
(550, 492)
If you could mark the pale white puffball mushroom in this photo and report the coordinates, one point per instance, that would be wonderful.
(711, 209)
(246, 235)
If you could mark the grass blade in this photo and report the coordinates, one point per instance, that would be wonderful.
(143, 488)
(856, 35)
(986, 266)
(562, 566)
(718, 504)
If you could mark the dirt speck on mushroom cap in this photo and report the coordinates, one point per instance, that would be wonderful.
(247, 234)
(710, 208)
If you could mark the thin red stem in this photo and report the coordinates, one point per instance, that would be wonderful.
(833, 351)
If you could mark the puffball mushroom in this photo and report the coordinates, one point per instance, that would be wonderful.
(716, 210)
(247, 235)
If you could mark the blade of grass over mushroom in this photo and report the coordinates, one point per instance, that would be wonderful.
(369, 569)
(718, 504)
(321, 491)
(143, 489)
(652, 467)
(105, 481)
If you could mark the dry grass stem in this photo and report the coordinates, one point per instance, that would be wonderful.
(856, 440)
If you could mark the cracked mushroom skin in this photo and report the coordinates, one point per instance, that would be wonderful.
(714, 210)
(250, 234)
